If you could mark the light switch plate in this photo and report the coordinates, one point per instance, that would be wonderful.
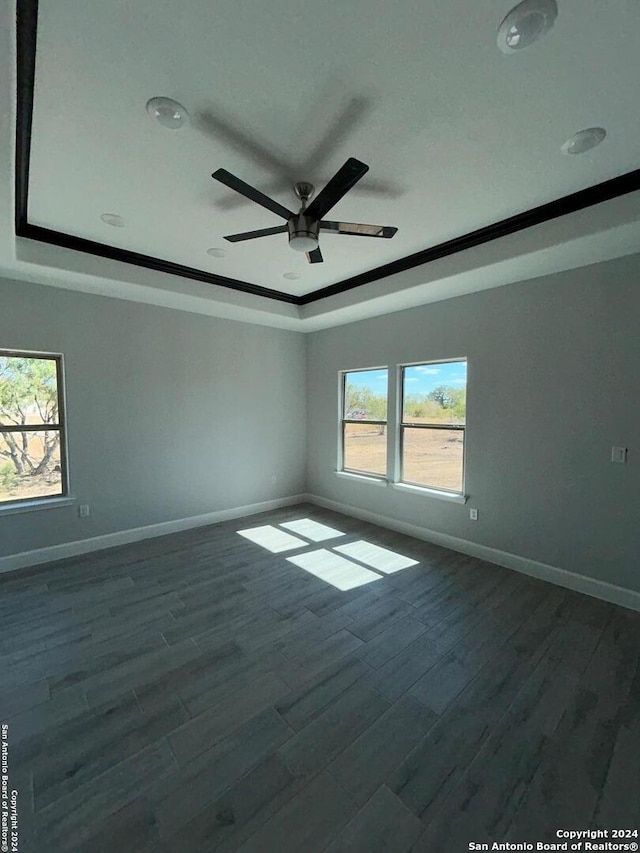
(619, 454)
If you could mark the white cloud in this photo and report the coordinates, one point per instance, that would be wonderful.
(427, 370)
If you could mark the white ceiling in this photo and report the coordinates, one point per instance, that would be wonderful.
(457, 136)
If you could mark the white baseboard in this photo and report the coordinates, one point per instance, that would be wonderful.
(26, 559)
(561, 577)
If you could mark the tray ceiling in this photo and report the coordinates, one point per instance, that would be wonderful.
(457, 135)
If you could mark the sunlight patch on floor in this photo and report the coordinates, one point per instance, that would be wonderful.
(312, 530)
(272, 539)
(341, 573)
(378, 558)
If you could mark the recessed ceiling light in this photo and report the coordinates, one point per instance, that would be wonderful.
(526, 23)
(113, 219)
(169, 113)
(584, 140)
(292, 276)
(216, 253)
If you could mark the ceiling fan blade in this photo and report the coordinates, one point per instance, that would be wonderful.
(247, 190)
(315, 257)
(251, 235)
(345, 178)
(357, 229)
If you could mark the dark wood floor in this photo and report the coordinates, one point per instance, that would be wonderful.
(197, 693)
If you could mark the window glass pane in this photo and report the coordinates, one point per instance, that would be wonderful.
(365, 448)
(433, 457)
(28, 391)
(435, 393)
(30, 465)
(365, 395)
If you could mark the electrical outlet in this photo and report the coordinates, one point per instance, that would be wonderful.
(473, 514)
(619, 454)
(83, 510)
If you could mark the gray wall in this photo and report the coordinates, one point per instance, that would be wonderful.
(170, 415)
(553, 382)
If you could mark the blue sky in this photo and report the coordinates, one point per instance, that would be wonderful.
(419, 379)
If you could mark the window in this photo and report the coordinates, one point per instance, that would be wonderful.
(432, 427)
(32, 441)
(364, 422)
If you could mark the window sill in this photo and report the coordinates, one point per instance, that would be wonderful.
(35, 504)
(361, 478)
(430, 493)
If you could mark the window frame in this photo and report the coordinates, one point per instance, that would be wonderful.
(60, 426)
(402, 425)
(355, 472)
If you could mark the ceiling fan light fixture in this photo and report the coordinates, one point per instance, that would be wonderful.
(303, 242)
(584, 140)
(303, 233)
(168, 113)
(526, 23)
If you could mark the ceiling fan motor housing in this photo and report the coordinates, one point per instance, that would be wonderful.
(303, 233)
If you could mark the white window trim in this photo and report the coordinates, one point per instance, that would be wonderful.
(35, 504)
(363, 478)
(425, 491)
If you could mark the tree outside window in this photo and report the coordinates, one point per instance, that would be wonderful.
(31, 427)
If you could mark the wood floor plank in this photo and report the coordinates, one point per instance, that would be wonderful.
(133, 827)
(372, 757)
(307, 822)
(379, 617)
(137, 671)
(317, 693)
(24, 697)
(45, 715)
(401, 672)
(204, 730)
(386, 645)
(333, 730)
(307, 665)
(70, 821)
(179, 799)
(239, 812)
(438, 763)
(450, 675)
(90, 745)
(384, 825)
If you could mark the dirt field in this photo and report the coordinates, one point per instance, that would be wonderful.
(16, 487)
(431, 457)
(32, 487)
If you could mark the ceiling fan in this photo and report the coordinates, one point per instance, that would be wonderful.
(304, 227)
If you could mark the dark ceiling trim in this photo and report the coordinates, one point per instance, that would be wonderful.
(102, 250)
(26, 29)
(27, 25)
(536, 216)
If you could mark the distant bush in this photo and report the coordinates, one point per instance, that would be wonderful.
(8, 476)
